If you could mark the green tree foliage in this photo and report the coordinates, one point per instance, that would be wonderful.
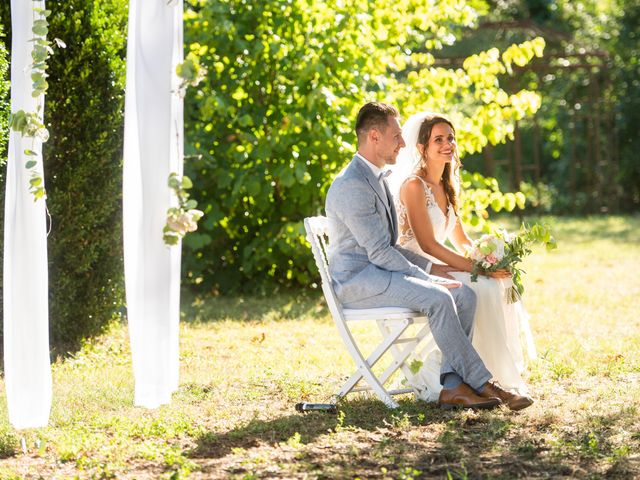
(273, 123)
(591, 98)
(607, 32)
(84, 115)
(4, 130)
(626, 49)
(83, 165)
(4, 103)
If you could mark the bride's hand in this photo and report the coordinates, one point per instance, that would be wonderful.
(502, 273)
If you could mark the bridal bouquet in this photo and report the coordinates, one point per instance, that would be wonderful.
(501, 250)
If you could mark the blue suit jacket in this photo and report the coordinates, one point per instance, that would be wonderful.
(362, 236)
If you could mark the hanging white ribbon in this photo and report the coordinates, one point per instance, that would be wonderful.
(27, 367)
(508, 289)
(153, 148)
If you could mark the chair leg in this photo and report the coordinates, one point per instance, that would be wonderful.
(364, 366)
(401, 355)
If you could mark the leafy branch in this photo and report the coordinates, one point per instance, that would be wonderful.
(183, 218)
(190, 72)
(30, 124)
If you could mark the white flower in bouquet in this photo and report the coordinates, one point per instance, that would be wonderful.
(501, 250)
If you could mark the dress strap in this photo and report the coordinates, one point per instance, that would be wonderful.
(427, 190)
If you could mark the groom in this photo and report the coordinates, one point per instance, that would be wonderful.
(369, 270)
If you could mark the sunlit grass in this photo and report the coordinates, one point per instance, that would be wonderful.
(245, 362)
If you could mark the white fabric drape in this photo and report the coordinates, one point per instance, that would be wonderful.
(153, 148)
(27, 366)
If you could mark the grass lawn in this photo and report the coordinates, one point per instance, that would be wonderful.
(245, 362)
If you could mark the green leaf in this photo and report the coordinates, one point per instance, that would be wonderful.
(415, 366)
(39, 53)
(171, 238)
(253, 187)
(18, 121)
(40, 28)
(186, 183)
(245, 121)
(30, 164)
(173, 183)
(509, 202)
(197, 241)
(38, 193)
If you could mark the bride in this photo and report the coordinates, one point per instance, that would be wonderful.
(425, 188)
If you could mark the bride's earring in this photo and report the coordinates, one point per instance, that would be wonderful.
(425, 158)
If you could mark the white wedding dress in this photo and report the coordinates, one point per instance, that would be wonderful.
(497, 327)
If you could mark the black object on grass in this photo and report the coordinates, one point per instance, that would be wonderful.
(304, 407)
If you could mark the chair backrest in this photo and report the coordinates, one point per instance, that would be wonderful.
(317, 236)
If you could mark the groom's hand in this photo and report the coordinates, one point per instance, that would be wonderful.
(442, 270)
(446, 283)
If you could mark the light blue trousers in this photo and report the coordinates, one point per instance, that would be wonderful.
(450, 313)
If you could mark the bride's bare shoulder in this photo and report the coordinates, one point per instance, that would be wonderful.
(413, 180)
(414, 188)
(412, 184)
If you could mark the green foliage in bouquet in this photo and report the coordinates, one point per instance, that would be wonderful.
(502, 250)
(520, 246)
(272, 124)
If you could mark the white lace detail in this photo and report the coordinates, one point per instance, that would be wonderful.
(441, 222)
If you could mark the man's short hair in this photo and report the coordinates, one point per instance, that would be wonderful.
(374, 115)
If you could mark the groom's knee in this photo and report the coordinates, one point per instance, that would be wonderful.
(439, 300)
(466, 298)
(473, 298)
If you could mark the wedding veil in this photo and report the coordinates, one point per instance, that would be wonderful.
(409, 157)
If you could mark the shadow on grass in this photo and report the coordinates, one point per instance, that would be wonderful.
(365, 414)
(286, 306)
(494, 445)
(422, 441)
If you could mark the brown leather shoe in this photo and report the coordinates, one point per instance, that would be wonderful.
(511, 400)
(463, 396)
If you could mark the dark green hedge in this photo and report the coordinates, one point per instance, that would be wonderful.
(4, 117)
(4, 104)
(83, 167)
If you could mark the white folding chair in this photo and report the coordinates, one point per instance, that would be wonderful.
(393, 323)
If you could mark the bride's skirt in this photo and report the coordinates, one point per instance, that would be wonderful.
(496, 337)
